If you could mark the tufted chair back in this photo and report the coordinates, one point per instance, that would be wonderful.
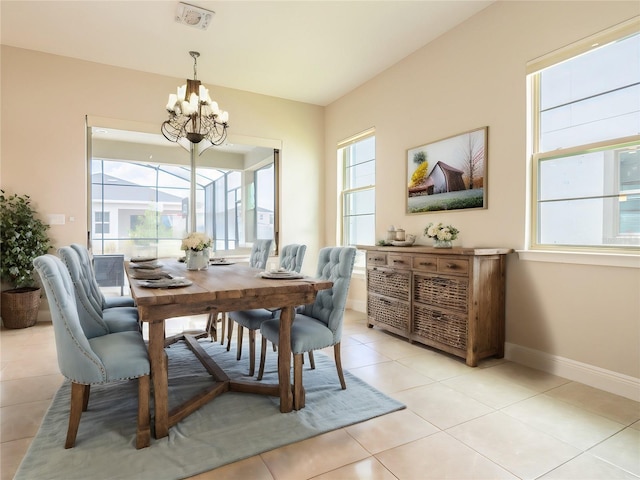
(88, 309)
(291, 257)
(335, 264)
(87, 265)
(260, 253)
(104, 303)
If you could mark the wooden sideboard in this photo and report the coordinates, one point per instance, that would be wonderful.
(450, 299)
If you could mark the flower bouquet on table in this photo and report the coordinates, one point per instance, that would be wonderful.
(442, 235)
(196, 246)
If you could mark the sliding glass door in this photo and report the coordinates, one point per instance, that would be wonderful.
(140, 207)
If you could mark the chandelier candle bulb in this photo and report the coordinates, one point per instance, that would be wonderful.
(171, 104)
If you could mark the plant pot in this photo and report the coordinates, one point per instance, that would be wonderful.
(197, 259)
(20, 307)
(442, 244)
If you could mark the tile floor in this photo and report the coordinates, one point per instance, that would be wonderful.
(497, 421)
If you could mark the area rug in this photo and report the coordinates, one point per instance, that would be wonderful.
(231, 427)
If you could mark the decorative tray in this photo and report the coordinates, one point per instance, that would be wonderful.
(397, 243)
(176, 282)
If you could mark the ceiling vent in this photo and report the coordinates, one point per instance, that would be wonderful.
(193, 16)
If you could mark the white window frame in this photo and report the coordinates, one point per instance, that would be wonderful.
(603, 254)
(343, 191)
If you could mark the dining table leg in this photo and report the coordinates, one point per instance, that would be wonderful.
(160, 378)
(284, 359)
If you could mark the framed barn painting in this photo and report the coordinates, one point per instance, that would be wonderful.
(449, 174)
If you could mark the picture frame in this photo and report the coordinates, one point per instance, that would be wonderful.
(448, 174)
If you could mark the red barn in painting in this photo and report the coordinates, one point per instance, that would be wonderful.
(443, 178)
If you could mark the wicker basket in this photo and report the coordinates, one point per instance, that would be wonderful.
(388, 312)
(443, 292)
(19, 307)
(444, 327)
(389, 283)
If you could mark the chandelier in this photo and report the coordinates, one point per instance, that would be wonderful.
(193, 115)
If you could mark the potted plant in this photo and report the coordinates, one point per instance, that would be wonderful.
(23, 237)
(442, 235)
(196, 246)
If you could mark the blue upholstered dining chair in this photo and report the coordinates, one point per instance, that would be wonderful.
(92, 361)
(318, 325)
(257, 259)
(87, 266)
(291, 257)
(93, 319)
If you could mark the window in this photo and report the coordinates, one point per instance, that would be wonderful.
(140, 207)
(586, 147)
(357, 160)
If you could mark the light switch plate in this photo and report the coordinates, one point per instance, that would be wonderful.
(55, 218)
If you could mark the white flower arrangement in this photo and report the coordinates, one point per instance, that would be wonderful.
(196, 241)
(441, 232)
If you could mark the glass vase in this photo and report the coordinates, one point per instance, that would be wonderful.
(442, 243)
(197, 259)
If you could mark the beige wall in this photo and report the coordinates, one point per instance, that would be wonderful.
(45, 99)
(471, 77)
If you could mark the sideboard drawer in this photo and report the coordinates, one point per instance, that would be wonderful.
(376, 258)
(399, 260)
(389, 312)
(455, 266)
(443, 292)
(425, 263)
(448, 328)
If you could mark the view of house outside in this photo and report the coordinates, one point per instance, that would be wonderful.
(142, 209)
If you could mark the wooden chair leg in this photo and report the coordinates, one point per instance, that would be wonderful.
(239, 344)
(78, 395)
(223, 326)
(212, 326)
(263, 356)
(336, 354)
(143, 431)
(85, 398)
(298, 391)
(252, 352)
(312, 361)
(229, 332)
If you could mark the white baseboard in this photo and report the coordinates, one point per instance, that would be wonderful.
(607, 380)
(357, 305)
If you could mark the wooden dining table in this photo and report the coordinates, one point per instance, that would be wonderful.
(220, 288)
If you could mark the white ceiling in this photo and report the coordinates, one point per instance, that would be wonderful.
(308, 51)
